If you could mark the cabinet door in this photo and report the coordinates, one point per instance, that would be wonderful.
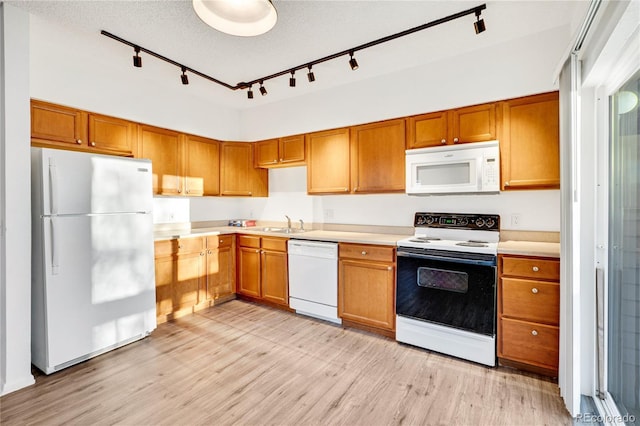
(162, 147)
(473, 124)
(427, 130)
(57, 125)
(189, 279)
(267, 153)
(165, 268)
(292, 150)
(249, 271)
(530, 145)
(378, 157)
(221, 267)
(202, 166)
(366, 293)
(328, 162)
(112, 135)
(237, 174)
(275, 281)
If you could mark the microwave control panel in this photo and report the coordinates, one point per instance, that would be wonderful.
(490, 173)
(484, 222)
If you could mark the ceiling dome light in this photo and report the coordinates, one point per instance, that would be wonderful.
(244, 18)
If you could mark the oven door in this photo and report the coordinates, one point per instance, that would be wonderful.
(447, 288)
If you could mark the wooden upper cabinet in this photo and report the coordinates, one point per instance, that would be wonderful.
(163, 148)
(478, 123)
(238, 176)
(378, 157)
(282, 152)
(328, 162)
(202, 166)
(56, 124)
(111, 134)
(69, 128)
(530, 144)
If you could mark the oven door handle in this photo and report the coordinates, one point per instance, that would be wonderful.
(448, 259)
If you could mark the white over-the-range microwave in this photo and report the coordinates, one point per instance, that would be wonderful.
(467, 168)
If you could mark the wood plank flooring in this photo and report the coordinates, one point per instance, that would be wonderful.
(242, 363)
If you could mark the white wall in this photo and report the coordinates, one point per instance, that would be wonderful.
(15, 178)
(92, 72)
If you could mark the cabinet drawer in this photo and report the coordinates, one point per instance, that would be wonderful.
(529, 267)
(219, 241)
(529, 342)
(191, 245)
(248, 241)
(367, 252)
(165, 247)
(276, 244)
(530, 300)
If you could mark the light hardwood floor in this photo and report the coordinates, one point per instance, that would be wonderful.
(241, 363)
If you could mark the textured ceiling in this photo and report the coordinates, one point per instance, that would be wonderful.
(308, 30)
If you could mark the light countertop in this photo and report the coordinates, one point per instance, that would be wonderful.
(529, 248)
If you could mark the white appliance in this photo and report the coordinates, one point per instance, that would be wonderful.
(446, 285)
(466, 168)
(313, 279)
(93, 280)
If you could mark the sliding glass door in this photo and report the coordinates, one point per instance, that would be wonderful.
(623, 328)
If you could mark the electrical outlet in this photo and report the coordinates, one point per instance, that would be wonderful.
(516, 218)
(328, 214)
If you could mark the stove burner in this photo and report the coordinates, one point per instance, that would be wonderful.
(419, 240)
(472, 243)
(428, 238)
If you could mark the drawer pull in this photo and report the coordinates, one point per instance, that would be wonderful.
(364, 253)
(534, 290)
(534, 333)
(535, 269)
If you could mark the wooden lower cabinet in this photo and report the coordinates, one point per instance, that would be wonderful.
(263, 269)
(366, 286)
(529, 313)
(192, 276)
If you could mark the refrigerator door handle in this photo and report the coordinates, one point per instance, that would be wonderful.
(55, 248)
(53, 179)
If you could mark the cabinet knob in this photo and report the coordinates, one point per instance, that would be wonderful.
(201, 253)
(179, 191)
(364, 253)
(534, 333)
(443, 141)
(179, 246)
(208, 251)
(456, 140)
(257, 251)
(79, 141)
(281, 160)
(506, 184)
(534, 290)
(535, 269)
(220, 241)
(93, 144)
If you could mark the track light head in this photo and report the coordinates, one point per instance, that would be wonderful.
(352, 62)
(250, 93)
(137, 60)
(184, 77)
(479, 24)
(292, 80)
(310, 76)
(263, 90)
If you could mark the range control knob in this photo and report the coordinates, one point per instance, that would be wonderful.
(420, 220)
(479, 222)
(490, 223)
(429, 220)
(464, 222)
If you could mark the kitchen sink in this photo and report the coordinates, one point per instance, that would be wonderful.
(282, 230)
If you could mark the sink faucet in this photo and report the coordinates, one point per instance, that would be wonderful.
(301, 225)
(288, 222)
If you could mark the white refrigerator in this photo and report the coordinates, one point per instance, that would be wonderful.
(93, 280)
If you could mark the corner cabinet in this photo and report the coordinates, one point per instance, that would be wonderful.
(529, 313)
(238, 176)
(366, 287)
(263, 269)
(478, 123)
(530, 144)
(328, 162)
(57, 126)
(282, 152)
(378, 157)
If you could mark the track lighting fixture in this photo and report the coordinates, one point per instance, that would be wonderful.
(479, 27)
(183, 77)
(352, 62)
(137, 60)
(310, 75)
(479, 24)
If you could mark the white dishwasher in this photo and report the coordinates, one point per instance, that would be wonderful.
(313, 279)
